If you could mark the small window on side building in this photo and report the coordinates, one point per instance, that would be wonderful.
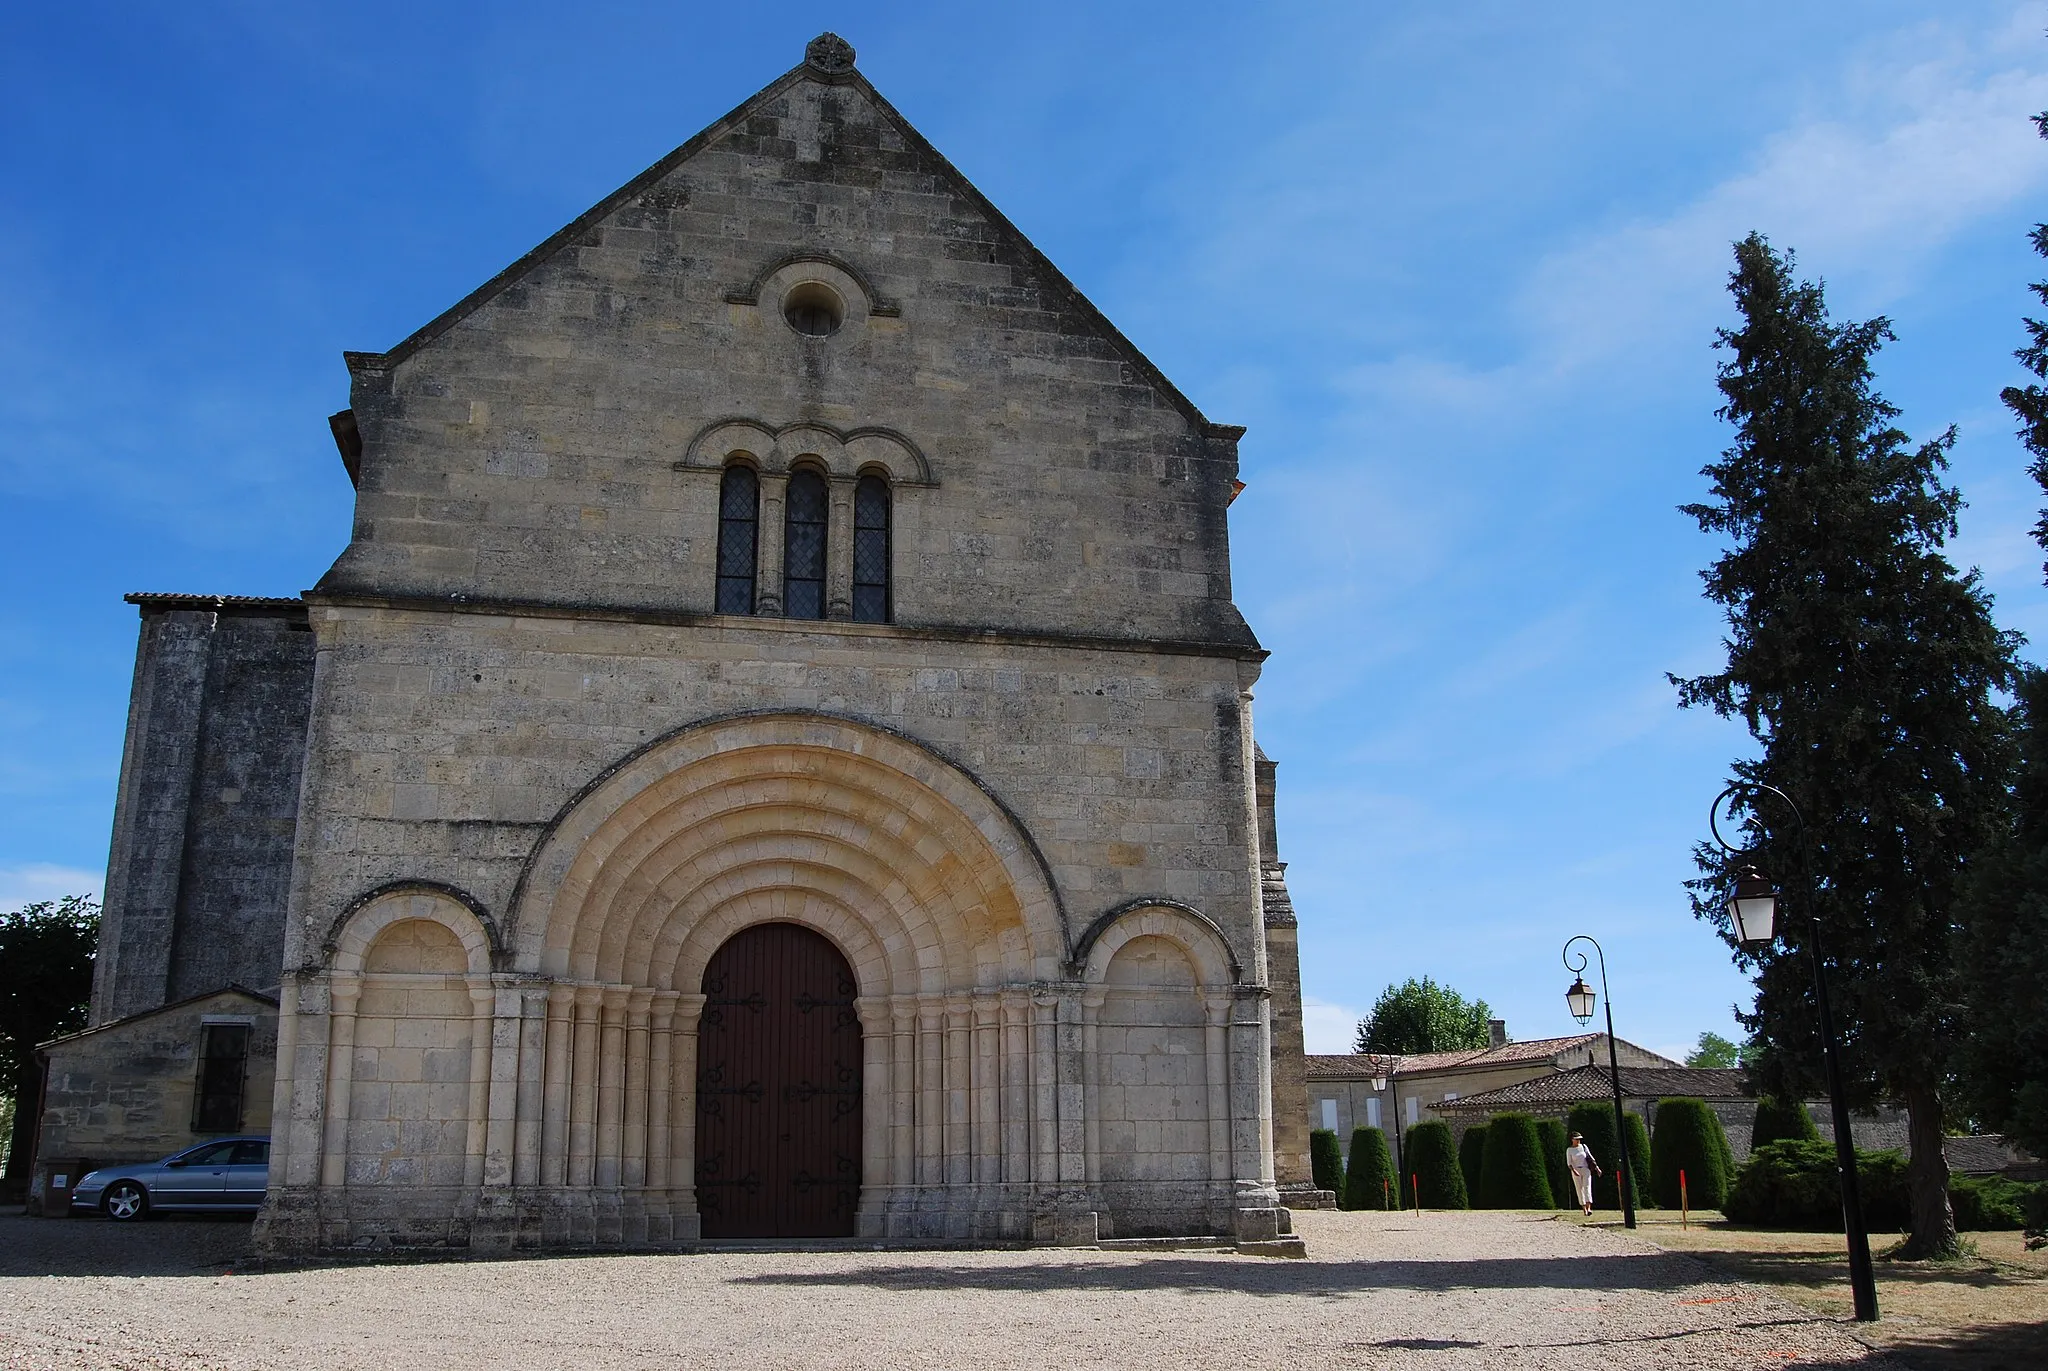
(223, 1071)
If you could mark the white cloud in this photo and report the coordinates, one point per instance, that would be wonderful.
(1327, 1027)
(1912, 151)
(20, 885)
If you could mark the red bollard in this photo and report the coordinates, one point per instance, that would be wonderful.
(1684, 1213)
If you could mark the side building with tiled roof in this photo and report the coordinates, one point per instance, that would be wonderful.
(1414, 1087)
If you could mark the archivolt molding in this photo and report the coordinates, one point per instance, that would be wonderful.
(1183, 925)
(845, 453)
(836, 266)
(431, 901)
(811, 818)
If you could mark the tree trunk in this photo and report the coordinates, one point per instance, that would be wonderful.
(1934, 1224)
(21, 1151)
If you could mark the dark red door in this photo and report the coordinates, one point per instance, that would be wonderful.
(778, 1088)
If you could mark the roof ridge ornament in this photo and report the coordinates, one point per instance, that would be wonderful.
(830, 54)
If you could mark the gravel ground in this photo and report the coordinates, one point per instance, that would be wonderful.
(1443, 1291)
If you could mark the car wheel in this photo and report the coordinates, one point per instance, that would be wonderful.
(125, 1201)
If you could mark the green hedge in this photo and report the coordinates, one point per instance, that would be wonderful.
(1369, 1178)
(1551, 1133)
(1689, 1138)
(1325, 1162)
(1432, 1159)
(1639, 1161)
(1513, 1176)
(1992, 1204)
(1778, 1119)
(1793, 1184)
(1472, 1159)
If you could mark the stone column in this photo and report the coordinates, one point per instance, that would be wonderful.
(768, 547)
(528, 1109)
(583, 1089)
(555, 1097)
(902, 1095)
(661, 1088)
(483, 998)
(878, 1107)
(343, 991)
(1216, 1046)
(1016, 1105)
(959, 1092)
(988, 1076)
(1091, 1061)
(839, 551)
(931, 1099)
(682, 1165)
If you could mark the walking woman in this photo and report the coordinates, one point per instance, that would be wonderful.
(1579, 1158)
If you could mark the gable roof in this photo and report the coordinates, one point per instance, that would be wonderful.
(1583, 1083)
(1353, 1065)
(230, 989)
(828, 59)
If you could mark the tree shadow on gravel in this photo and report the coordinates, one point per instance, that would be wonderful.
(198, 1245)
(1264, 1276)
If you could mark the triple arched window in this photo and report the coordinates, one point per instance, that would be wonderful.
(806, 550)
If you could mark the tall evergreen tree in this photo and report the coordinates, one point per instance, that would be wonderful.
(2004, 1059)
(1865, 666)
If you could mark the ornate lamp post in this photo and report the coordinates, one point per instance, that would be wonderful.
(1580, 1000)
(1753, 909)
(1381, 1082)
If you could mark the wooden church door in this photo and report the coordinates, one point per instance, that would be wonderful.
(778, 1088)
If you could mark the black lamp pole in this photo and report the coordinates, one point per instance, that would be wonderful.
(1624, 1178)
(1862, 1279)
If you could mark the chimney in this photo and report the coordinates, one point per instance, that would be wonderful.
(1496, 1032)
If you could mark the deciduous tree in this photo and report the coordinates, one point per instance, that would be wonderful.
(46, 952)
(1422, 1016)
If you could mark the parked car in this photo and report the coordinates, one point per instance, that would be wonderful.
(226, 1174)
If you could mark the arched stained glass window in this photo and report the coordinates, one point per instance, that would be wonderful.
(871, 550)
(739, 525)
(803, 546)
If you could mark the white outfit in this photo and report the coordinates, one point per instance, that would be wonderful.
(1579, 1158)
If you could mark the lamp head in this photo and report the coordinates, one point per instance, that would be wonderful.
(1580, 999)
(1753, 908)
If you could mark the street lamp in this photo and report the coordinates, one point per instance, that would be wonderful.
(1380, 1081)
(1753, 910)
(1580, 999)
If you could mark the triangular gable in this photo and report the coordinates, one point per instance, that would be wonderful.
(189, 1000)
(828, 60)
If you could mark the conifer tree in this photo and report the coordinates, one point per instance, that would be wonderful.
(2003, 1064)
(1864, 665)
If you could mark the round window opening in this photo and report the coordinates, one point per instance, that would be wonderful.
(814, 309)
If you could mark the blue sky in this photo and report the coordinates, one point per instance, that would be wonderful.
(1457, 267)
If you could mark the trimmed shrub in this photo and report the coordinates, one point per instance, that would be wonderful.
(1689, 1139)
(1325, 1162)
(1369, 1177)
(1792, 1184)
(1639, 1162)
(1552, 1135)
(1992, 1204)
(1432, 1158)
(1513, 1176)
(1471, 1157)
(1778, 1119)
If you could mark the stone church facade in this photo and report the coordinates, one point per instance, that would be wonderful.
(775, 755)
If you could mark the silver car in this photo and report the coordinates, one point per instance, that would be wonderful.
(226, 1175)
